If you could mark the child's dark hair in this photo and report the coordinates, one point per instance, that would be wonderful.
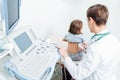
(75, 27)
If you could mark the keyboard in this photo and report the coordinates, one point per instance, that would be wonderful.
(40, 56)
(34, 66)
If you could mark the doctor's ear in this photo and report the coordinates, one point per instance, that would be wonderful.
(90, 19)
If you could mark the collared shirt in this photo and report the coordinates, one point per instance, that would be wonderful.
(99, 63)
(74, 37)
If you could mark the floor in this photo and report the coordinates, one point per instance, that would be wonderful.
(57, 73)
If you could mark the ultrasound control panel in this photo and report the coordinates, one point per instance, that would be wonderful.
(42, 47)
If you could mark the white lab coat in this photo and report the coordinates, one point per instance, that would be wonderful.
(99, 63)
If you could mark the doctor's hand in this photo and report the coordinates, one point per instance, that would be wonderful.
(63, 52)
(83, 47)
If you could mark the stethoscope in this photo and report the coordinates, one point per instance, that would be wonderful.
(99, 36)
(93, 39)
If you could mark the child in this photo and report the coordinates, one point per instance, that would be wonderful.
(74, 37)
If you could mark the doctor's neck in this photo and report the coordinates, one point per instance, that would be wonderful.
(100, 28)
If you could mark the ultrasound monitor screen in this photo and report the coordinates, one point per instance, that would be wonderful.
(23, 41)
(13, 12)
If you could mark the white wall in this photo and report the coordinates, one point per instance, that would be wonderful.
(54, 16)
(49, 17)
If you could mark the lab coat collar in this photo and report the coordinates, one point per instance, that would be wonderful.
(103, 31)
(99, 35)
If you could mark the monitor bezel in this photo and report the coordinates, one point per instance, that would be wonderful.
(6, 20)
(16, 33)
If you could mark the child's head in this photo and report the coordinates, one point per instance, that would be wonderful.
(75, 27)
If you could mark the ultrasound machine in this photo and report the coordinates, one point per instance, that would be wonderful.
(34, 58)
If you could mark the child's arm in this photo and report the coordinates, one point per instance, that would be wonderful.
(65, 40)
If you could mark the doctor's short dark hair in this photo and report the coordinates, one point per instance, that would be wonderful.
(99, 13)
(75, 27)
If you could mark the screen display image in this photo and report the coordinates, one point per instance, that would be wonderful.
(23, 41)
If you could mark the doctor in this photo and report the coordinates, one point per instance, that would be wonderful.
(102, 57)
